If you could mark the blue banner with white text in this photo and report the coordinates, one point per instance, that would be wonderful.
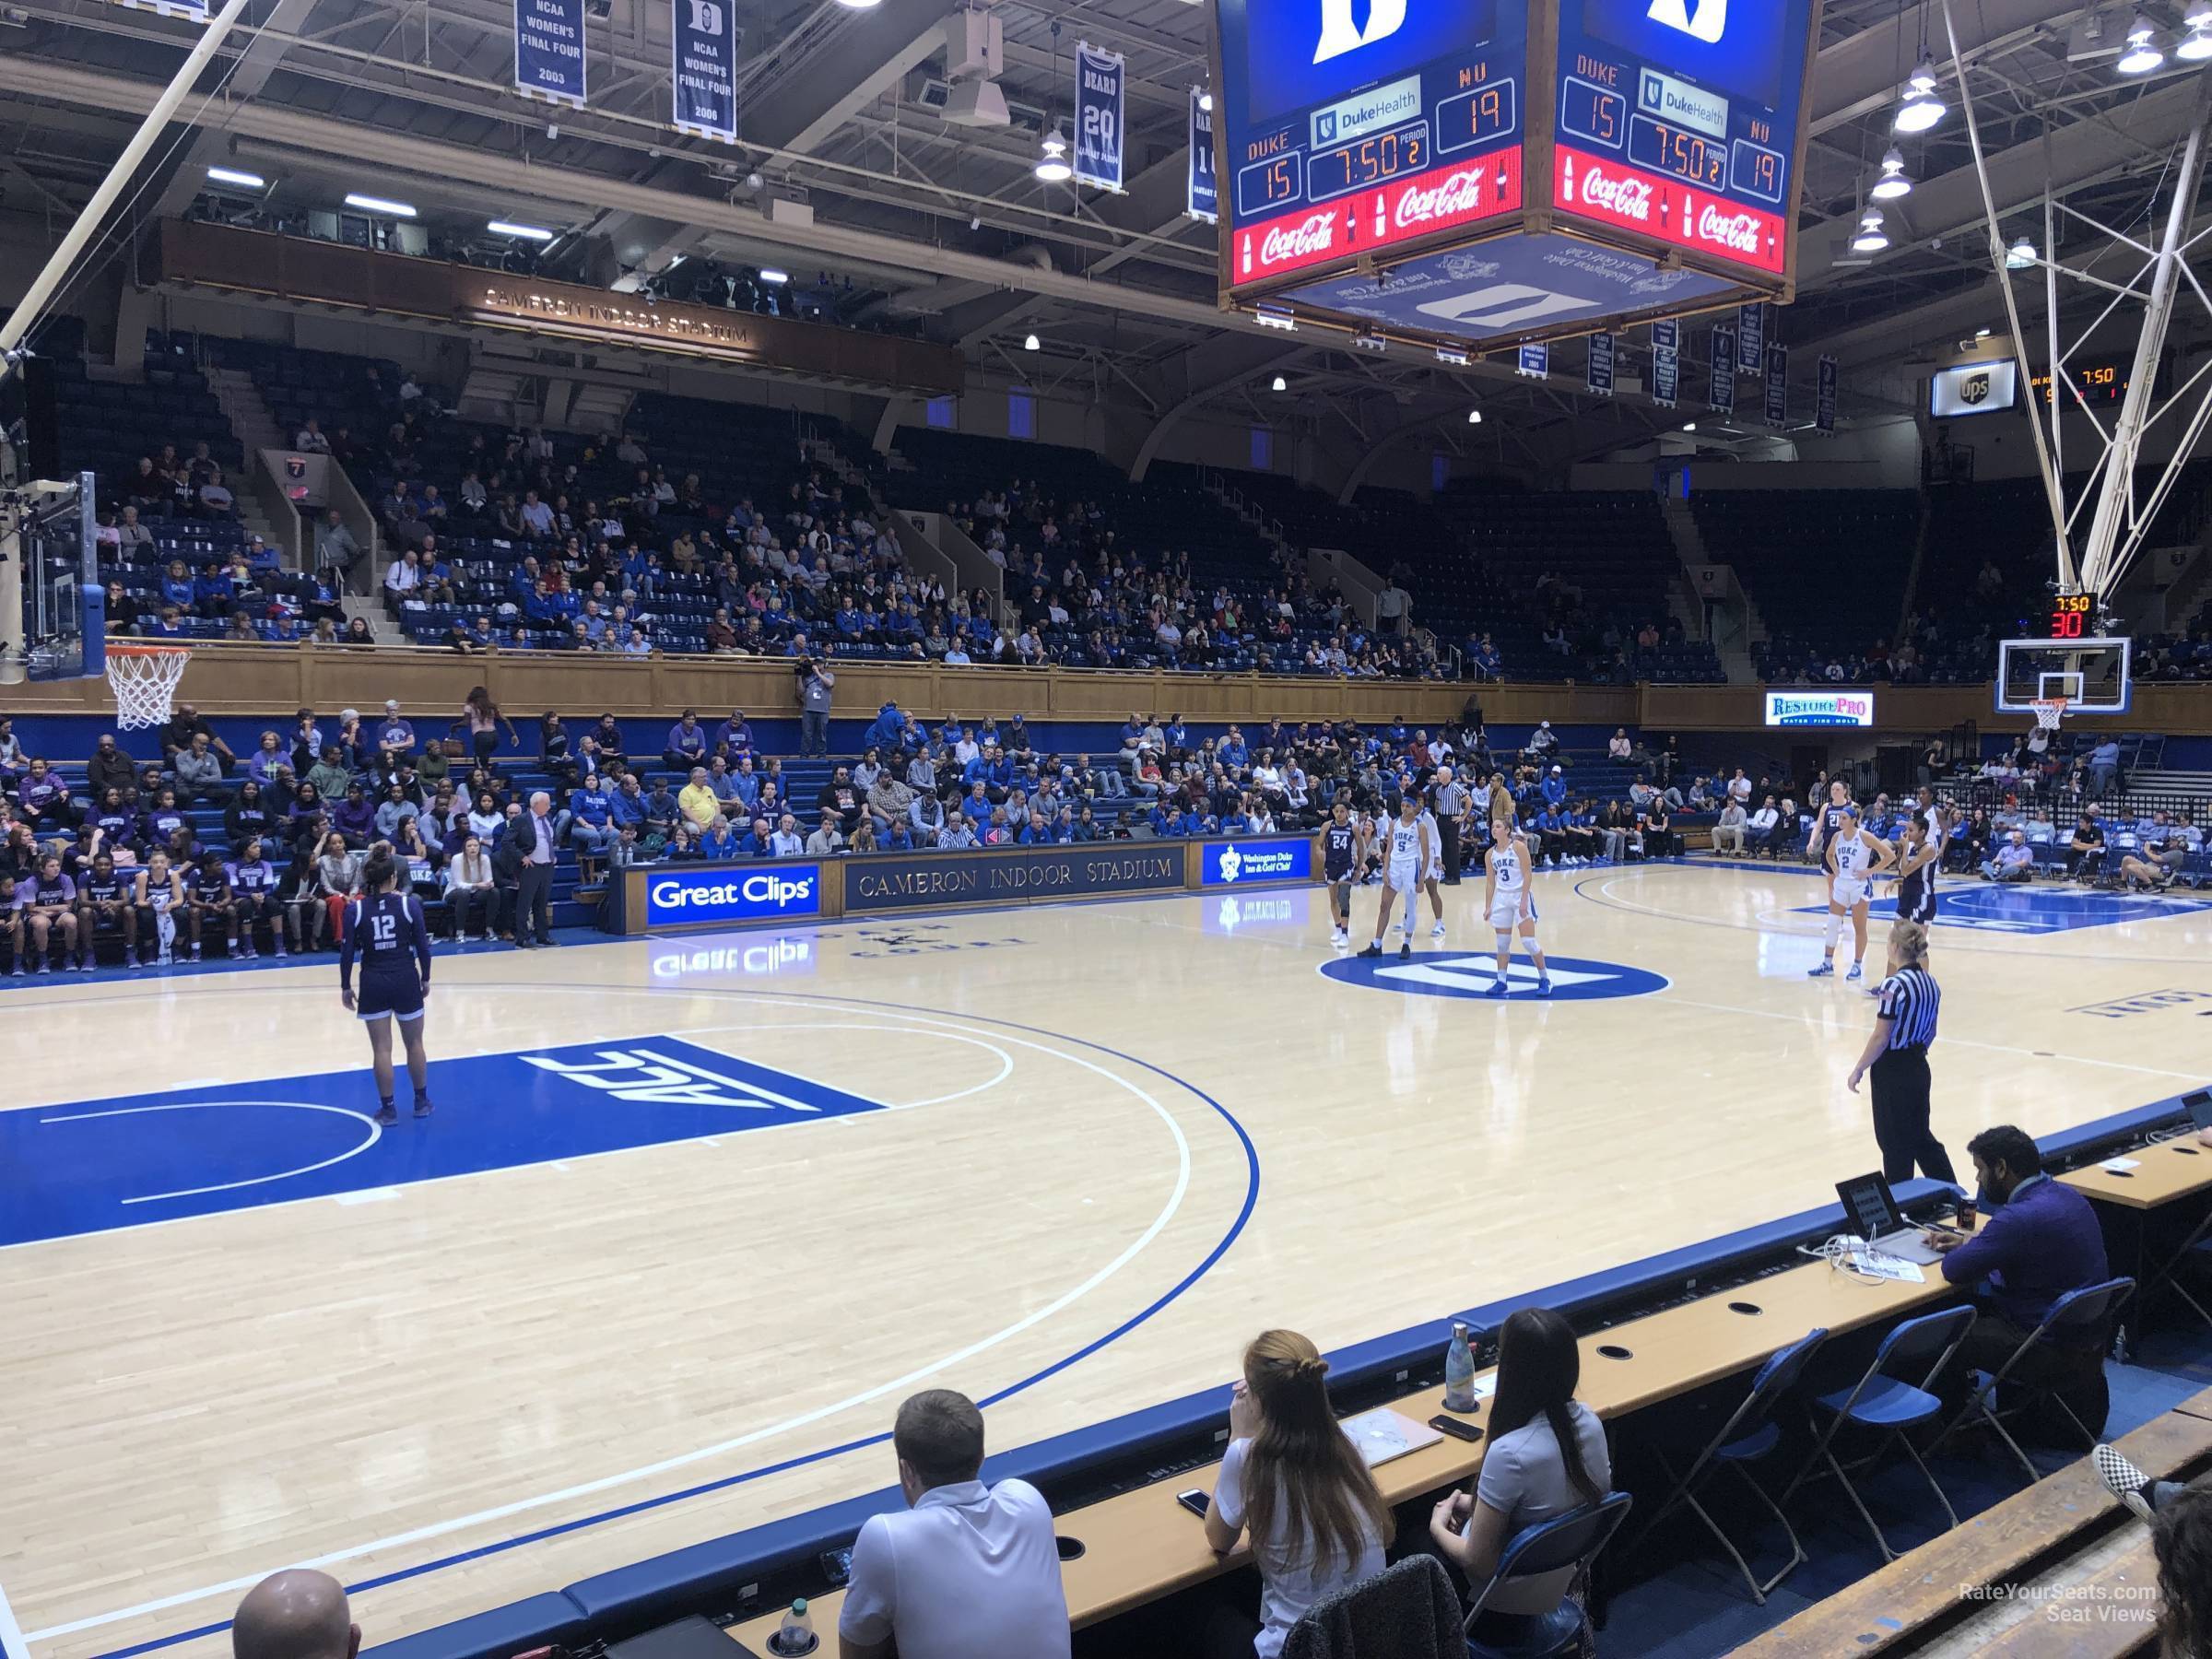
(1203, 199)
(1099, 127)
(1778, 383)
(1533, 362)
(1750, 338)
(1824, 397)
(1721, 393)
(1600, 376)
(1666, 363)
(549, 49)
(1000, 876)
(703, 44)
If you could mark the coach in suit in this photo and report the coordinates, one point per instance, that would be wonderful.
(538, 845)
(1450, 806)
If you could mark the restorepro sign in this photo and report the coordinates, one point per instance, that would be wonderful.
(1819, 708)
(1247, 861)
(684, 898)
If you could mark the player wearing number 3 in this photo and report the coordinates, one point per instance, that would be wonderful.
(1853, 858)
(388, 930)
(1512, 905)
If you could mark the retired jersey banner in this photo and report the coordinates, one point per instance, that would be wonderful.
(1750, 338)
(1599, 377)
(1535, 362)
(1202, 200)
(1098, 80)
(1778, 384)
(1666, 363)
(704, 45)
(1721, 394)
(195, 11)
(549, 49)
(1824, 397)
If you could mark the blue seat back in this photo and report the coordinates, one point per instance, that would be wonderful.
(2078, 1313)
(1927, 1342)
(1772, 1384)
(1564, 1541)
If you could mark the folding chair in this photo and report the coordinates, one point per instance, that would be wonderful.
(2197, 1247)
(1748, 1437)
(2074, 1315)
(1882, 1401)
(1572, 1540)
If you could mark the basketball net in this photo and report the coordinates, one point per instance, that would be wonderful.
(144, 682)
(2048, 712)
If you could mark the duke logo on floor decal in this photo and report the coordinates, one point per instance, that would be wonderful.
(1471, 975)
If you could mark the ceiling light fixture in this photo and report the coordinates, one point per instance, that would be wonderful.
(1893, 182)
(1206, 101)
(1051, 160)
(537, 234)
(1689, 426)
(2021, 255)
(1451, 355)
(2196, 45)
(231, 175)
(2142, 54)
(391, 209)
(774, 276)
(1029, 342)
(1870, 239)
(1279, 384)
(1981, 334)
(1921, 109)
(1474, 416)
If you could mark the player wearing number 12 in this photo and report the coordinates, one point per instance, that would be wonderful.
(387, 929)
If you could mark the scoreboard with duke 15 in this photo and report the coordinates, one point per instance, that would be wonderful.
(1436, 151)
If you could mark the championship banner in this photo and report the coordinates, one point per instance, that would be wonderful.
(1778, 384)
(1600, 376)
(1201, 199)
(1666, 363)
(1824, 397)
(548, 51)
(1098, 129)
(704, 44)
(1719, 397)
(192, 11)
(1535, 362)
(1750, 338)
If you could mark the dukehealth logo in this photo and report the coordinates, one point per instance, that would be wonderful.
(675, 898)
(1227, 863)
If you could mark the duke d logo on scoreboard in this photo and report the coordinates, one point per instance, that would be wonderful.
(1705, 20)
(1339, 34)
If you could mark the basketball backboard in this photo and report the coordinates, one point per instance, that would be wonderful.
(2092, 674)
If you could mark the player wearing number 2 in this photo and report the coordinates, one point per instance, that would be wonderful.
(387, 929)
(1852, 859)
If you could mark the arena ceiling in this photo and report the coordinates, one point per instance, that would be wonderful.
(945, 232)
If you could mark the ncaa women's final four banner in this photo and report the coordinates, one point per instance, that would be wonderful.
(549, 49)
(1099, 128)
(703, 44)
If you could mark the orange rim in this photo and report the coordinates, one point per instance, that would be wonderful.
(145, 648)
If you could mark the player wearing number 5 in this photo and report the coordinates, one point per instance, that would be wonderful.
(388, 931)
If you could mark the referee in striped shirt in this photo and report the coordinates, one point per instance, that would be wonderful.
(1896, 1056)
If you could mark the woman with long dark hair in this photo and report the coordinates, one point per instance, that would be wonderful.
(386, 928)
(1547, 1456)
(483, 718)
(1295, 1484)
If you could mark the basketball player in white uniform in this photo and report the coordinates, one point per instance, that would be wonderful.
(1852, 859)
(1432, 868)
(1406, 855)
(1513, 906)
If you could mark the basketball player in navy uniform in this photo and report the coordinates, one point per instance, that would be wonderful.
(1512, 906)
(1852, 860)
(1343, 849)
(386, 928)
(1917, 862)
(1405, 861)
(1828, 818)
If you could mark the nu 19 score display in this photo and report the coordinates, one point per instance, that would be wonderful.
(1678, 120)
(1347, 129)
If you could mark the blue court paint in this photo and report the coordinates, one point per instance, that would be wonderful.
(1470, 973)
(1990, 908)
(97, 1165)
(663, 1500)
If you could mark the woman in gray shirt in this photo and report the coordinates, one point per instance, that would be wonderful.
(1547, 1456)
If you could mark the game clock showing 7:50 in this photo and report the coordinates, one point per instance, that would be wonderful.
(2073, 616)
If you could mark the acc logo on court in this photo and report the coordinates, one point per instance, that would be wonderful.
(1471, 975)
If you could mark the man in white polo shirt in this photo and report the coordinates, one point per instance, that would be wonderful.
(968, 1571)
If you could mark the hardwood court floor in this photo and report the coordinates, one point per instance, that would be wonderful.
(557, 1299)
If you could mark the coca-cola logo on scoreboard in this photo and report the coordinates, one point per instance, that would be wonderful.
(1314, 235)
(1627, 196)
(1669, 209)
(1459, 192)
(1739, 231)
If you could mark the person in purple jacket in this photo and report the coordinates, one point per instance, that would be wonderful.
(47, 900)
(355, 817)
(687, 743)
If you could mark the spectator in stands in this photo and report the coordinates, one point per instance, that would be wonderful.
(354, 817)
(484, 721)
(786, 842)
(1547, 1458)
(394, 738)
(296, 1613)
(590, 819)
(336, 551)
(2103, 766)
(2039, 1238)
(1730, 833)
(814, 687)
(470, 890)
(686, 748)
(967, 1570)
(179, 731)
(827, 840)
(2015, 861)
(2085, 851)
(199, 775)
(108, 767)
(699, 802)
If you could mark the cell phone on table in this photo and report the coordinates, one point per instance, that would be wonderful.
(1456, 1428)
(1194, 1500)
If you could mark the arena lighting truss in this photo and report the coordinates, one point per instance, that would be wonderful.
(2093, 557)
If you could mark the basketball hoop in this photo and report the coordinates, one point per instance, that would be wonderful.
(143, 678)
(2048, 712)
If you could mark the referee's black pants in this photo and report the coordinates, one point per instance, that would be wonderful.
(1447, 834)
(1900, 1117)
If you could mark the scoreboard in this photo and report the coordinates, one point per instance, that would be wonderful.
(1350, 135)
(1645, 151)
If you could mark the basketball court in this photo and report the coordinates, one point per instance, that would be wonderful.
(693, 1214)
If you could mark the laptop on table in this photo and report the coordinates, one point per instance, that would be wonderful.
(1870, 1210)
